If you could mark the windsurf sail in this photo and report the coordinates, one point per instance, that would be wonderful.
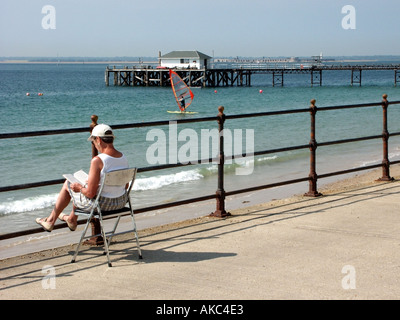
(183, 95)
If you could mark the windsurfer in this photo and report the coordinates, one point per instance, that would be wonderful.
(182, 102)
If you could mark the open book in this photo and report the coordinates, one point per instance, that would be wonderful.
(80, 177)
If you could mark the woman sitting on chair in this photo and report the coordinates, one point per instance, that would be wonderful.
(112, 197)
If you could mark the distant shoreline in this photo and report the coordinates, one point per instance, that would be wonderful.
(357, 60)
(75, 62)
(131, 62)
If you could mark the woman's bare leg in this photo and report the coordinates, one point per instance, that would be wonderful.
(62, 202)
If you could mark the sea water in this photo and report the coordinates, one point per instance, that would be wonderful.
(74, 92)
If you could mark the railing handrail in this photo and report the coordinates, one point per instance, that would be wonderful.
(25, 134)
(220, 195)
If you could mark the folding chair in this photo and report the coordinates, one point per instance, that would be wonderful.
(112, 178)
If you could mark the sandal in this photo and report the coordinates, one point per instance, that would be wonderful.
(45, 225)
(71, 226)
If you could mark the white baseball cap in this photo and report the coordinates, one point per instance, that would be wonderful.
(101, 130)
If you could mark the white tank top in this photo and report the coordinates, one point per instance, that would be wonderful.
(110, 164)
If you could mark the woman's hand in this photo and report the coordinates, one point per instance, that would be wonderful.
(76, 187)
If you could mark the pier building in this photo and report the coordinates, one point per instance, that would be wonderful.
(184, 60)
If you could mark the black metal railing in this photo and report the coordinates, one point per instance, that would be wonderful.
(220, 193)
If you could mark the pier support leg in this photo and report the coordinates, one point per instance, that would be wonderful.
(115, 78)
(356, 78)
(277, 78)
(316, 78)
(106, 75)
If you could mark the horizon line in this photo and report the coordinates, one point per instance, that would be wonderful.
(156, 58)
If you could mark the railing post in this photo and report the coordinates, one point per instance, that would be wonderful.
(94, 119)
(95, 224)
(385, 139)
(106, 75)
(220, 194)
(312, 191)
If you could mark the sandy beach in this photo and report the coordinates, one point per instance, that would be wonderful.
(295, 248)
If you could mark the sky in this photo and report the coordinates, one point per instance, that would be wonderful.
(220, 28)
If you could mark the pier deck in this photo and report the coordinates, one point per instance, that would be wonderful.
(234, 76)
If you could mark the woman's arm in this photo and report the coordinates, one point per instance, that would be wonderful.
(90, 190)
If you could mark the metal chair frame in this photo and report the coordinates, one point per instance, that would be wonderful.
(112, 178)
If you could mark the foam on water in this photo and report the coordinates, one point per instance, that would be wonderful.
(27, 204)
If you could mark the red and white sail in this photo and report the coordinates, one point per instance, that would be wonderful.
(183, 95)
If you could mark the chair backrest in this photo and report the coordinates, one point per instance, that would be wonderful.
(119, 178)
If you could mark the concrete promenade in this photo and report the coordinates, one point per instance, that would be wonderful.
(344, 245)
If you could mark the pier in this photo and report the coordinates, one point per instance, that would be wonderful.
(237, 75)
